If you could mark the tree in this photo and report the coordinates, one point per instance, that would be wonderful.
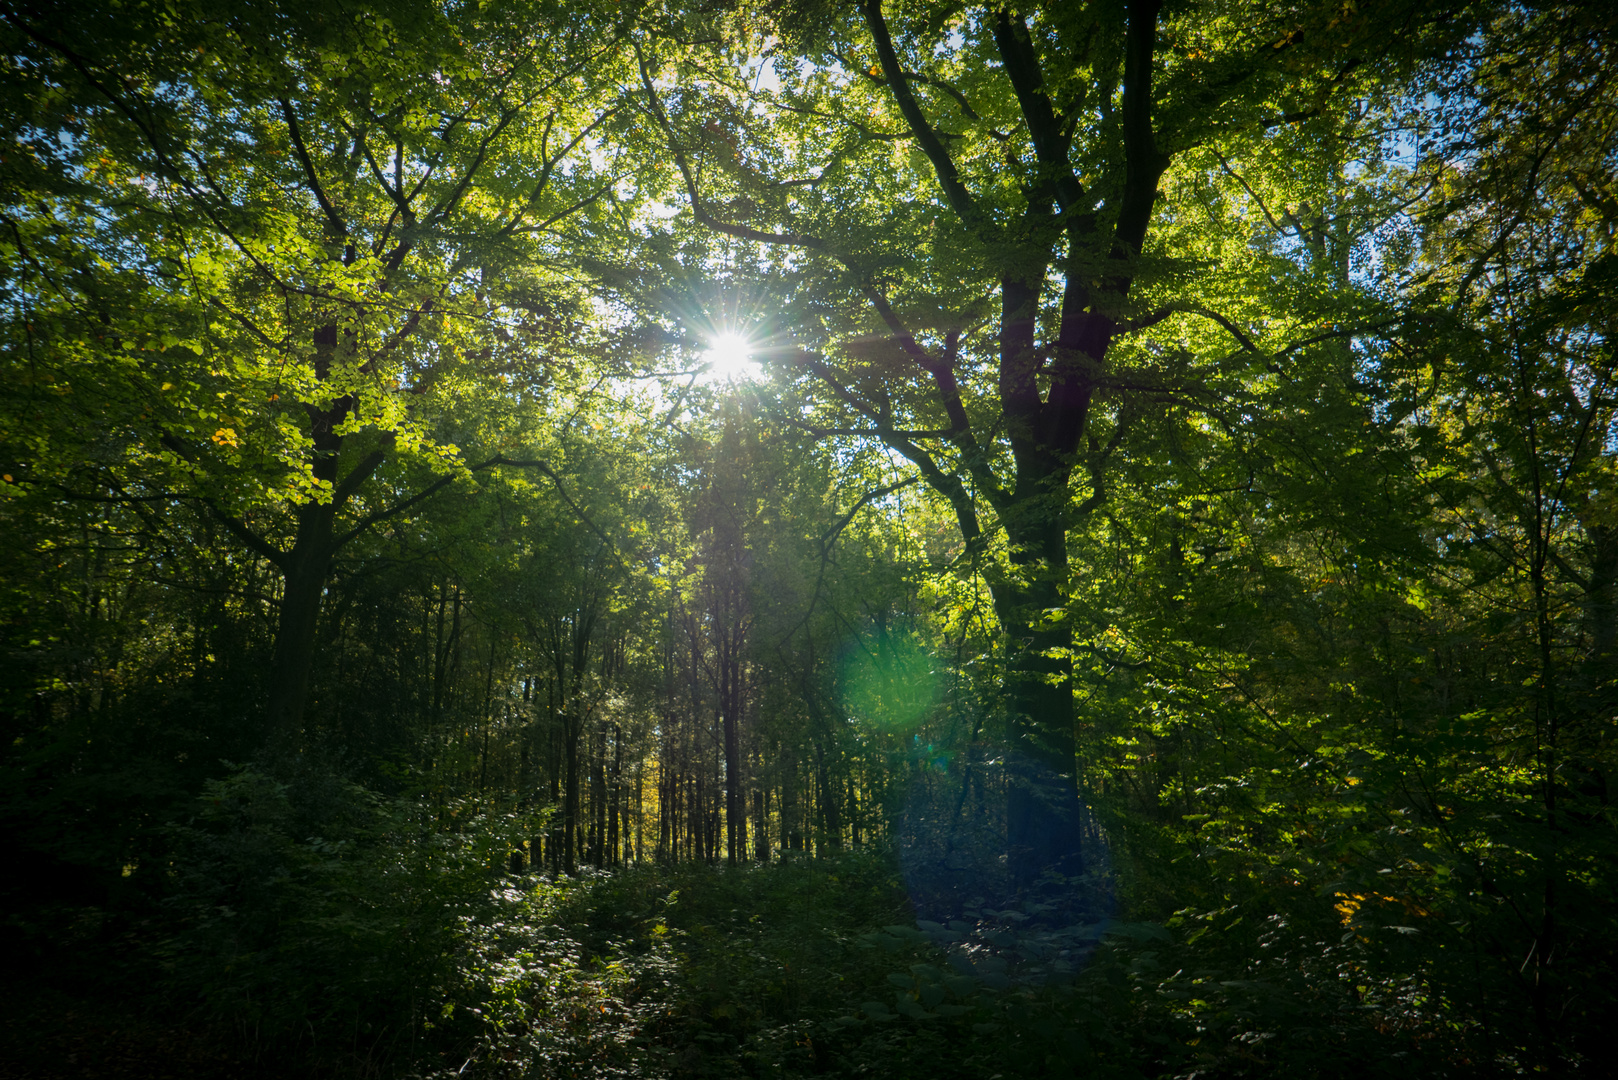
(1511, 420)
(280, 252)
(962, 203)
(1365, 658)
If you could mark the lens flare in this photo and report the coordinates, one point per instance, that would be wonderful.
(730, 358)
(894, 689)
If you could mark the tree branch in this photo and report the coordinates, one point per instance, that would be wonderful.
(1164, 312)
(1045, 126)
(741, 232)
(339, 228)
(357, 476)
(955, 193)
(1143, 165)
(234, 525)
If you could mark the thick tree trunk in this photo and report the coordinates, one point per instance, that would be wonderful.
(1601, 598)
(639, 815)
(553, 768)
(1042, 804)
(854, 830)
(665, 814)
(304, 574)
(307, 566)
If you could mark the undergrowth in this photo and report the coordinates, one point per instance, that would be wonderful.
(312, 927)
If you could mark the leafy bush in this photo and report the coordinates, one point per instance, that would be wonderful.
(314, 917)
(801, 967)
(360, 935)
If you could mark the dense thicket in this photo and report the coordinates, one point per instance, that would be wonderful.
(1174, 482)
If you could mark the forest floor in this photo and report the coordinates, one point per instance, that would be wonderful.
(805, 968)
(48, 1033)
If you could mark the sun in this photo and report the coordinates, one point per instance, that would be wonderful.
(729, 357)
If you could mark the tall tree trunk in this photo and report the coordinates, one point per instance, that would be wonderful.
(304, 574)
(730, 695)
(306, 567)
(853, 812)
(554, 762)
(615, 795)
(599, 798)
(665, 814)
(761, 832)
(699, 830)
(831, 818)
(304, 571)
(1042, 805)
(570, 806)
(640, 813)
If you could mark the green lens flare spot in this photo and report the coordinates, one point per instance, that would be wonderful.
(893, 686)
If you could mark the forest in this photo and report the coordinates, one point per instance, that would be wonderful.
(739, 538)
